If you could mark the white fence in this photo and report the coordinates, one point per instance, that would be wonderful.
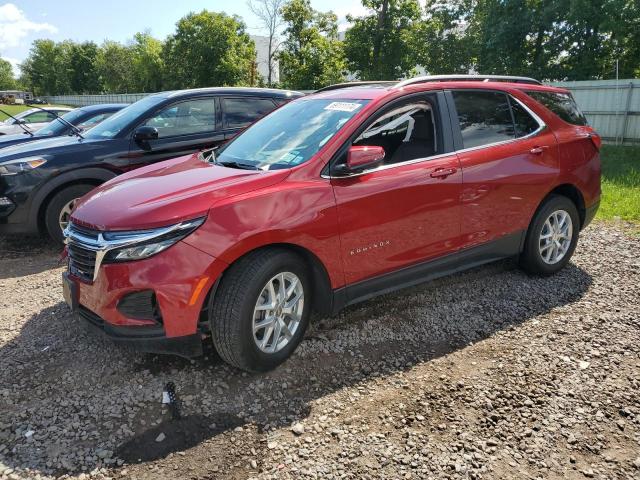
(84, 100)
(611, 106)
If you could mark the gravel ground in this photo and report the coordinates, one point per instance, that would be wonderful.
(486, 374)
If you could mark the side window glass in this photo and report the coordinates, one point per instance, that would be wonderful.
(185, 118)
(525, 124)
(484, 117)
(405, 133)
(39, 117)
(92, 121)
(562, 104)
(241, 112)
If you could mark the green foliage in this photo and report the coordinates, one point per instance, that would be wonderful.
(311, 55)
(114, 65)
(148, 64)
(620, 183)
(7, 82)
(209, 49)
(382, 45)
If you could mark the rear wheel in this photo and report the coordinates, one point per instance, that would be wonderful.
(552, 236)
(58, 211)
(261, 310)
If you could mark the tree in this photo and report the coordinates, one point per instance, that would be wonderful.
(311, 56)
(440, 40)
(269, 12)
(379, 46)
(82, 69)
(7, 81)
(147, 63)
(209, 49)
(115, 68)
(41, 68)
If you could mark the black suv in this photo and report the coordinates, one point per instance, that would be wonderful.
(81, 118)
(40, 181)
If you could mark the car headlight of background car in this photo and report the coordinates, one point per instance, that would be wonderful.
(19, 165)
(143, 244)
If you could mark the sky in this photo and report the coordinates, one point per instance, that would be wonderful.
(22, 21)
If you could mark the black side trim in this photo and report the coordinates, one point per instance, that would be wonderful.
(504, 247)
(590, 212)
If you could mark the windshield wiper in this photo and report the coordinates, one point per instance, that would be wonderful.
(74, 129)
(18, 122)
(231, 164)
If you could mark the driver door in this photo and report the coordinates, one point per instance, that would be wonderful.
(184, 127)
(407, 210)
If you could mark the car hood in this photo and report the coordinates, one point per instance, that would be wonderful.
(7, 140)
(49, 146)
(166, 193)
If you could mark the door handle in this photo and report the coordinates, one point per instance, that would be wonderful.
(537, 150)
(443, 172)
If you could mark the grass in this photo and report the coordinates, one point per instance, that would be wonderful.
(620, 183)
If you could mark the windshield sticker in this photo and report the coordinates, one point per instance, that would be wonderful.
(342, 106)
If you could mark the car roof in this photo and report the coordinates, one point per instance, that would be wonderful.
(104, 107)
(373, 90)
(241, 91)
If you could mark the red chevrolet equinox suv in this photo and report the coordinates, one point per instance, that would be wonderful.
(356, 190)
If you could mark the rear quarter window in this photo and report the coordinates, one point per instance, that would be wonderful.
(242, 112)
(562, 104)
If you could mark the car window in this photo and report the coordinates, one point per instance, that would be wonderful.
(185, 118)
(562, 104)
(92, 121)
(525, 124)
(241, 112)
(39, 117)
(406, 133)
(484, 117)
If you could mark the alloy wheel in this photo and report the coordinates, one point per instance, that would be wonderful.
(555, 237)
(278, 312)
(65, 213)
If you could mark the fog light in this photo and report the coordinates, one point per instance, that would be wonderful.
(5, 202)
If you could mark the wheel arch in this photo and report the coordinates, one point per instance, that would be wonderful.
(573, 193)
(91, 176)
(321, 284)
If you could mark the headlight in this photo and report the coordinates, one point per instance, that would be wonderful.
(13, 167)
(141, 244)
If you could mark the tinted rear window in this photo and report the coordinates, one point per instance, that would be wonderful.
(484, 117)
(240, 112)
(562, 104)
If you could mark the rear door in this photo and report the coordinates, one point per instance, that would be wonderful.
(240, 112)
(184, 127)
(407, 210)
(508, 159)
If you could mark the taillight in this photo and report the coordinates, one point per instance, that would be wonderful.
(596, 140)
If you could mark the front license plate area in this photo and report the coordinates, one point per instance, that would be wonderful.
(70, 292)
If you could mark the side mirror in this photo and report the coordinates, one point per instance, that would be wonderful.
(145, 133)
(362, 157)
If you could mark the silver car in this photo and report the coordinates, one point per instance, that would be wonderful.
(33, 119)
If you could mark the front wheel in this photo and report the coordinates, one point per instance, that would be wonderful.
(552, 236)
(59, 208)
(261, 310)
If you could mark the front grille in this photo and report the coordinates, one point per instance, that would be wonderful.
(82, 262)
(82, 254)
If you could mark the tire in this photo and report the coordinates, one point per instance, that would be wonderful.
(58, 202)
(241, 290)
(535, 258)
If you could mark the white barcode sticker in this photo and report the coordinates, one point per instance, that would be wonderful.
(342, 106)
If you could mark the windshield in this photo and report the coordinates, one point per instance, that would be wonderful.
(290, 135)
(57, 127)
(113, 125)
(11, 121)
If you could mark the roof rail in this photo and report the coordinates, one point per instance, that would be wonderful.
(356, 84)
(467, 78)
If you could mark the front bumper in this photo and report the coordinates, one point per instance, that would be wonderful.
(179, 279)
(143, 339)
